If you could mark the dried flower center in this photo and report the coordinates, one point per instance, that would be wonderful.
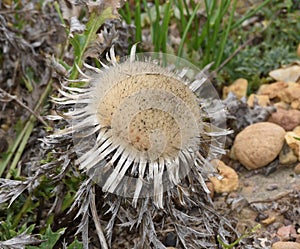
(153, 113)
(120, 91)
(154, 129)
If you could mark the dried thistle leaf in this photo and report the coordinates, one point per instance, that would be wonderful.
(76, 26)
(69, 9)
(20, 241)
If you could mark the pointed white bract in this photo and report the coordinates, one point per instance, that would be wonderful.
(138, 126)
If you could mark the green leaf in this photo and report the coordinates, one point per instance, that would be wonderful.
(81, 42)
(75, 245)
(50, 237)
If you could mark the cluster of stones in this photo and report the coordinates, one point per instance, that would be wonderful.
(261, 143)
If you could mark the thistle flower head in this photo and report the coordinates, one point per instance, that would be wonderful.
(142, 123)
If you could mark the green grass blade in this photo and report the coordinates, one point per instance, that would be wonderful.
(165, 27)
(156, 28)
(80, 42)
(250, 13)
(137, 21)
(225, 36)
(181, 11)
(180, 49)
(27, 132)
(23, 137)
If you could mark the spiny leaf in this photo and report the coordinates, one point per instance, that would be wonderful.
(75, 245)
(50, 237)
(81, 42)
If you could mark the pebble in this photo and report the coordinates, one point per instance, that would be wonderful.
(297, 130)
(272, 187)
(272, 90)
(262, 100)
(292, 142)
(287, 119)
(261, 216)
(286, 245)
(230, 180)
(291, 93)
(286, 232)
(287, 156)
(295, 104)
(259, 144)
(269, 220)
(238, 87)
(282, 105)
(297, 169)
(287, 74)
(170, 239)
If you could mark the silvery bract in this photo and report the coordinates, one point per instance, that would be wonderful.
(144, 129)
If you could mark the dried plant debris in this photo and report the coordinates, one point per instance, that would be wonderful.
(21, 45)
(114, 32)
(99, 5)
(20, 241)
(82, 152)
(142, 216)
(29, 31)
(240, 115)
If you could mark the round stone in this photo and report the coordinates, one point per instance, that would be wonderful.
(259, 144)
(286, 245)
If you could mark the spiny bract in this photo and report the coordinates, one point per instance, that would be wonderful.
(147, 124)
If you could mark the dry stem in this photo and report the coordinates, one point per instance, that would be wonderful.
(97, 221)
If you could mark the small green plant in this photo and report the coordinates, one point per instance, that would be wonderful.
(204, 26)
(17, 226)
(8, 229)
(236, 242)
(274, 43)
(50, 238)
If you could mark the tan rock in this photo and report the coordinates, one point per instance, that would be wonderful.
(230, 180)
(269, 220)
(297, 169)
(287, 155)
(295, 104)
(297, 130)
(259, 144)
(282, 105)
(232, 154)
(287, 119)
(291, 93)
(293, 142)
(238, 87)
(272, 90)
(262, 100)
(286, 245)
(290, 73)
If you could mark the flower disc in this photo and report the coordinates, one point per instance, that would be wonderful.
(143, 123)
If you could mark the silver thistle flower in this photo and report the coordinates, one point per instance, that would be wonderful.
(145, 122)
(140, 127)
